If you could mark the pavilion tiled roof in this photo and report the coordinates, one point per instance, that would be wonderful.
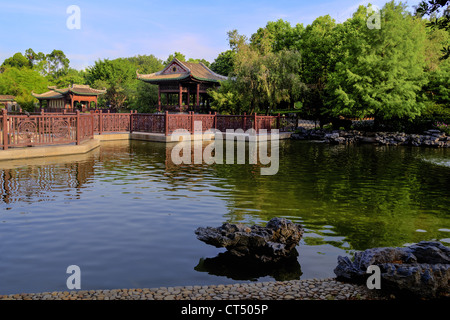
(7, 97)
(55, 93)
(187, 69)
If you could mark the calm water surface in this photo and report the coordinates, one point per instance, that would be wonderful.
(126, 215)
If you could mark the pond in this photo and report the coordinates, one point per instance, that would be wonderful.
(126, 214)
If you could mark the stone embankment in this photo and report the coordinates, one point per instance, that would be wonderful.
(430, 138)
(310, 289)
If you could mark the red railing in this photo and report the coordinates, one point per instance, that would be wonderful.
(111, 122)
(168, 123)
(44, 129)
(63, 128)
(148, 122)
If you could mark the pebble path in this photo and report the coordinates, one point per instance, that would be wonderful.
(310, 289)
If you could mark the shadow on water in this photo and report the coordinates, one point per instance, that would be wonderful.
(238, 268)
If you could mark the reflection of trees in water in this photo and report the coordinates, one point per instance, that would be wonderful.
(374, 196)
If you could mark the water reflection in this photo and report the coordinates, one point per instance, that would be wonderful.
(128, 210)
(230, 266)
(36, 179)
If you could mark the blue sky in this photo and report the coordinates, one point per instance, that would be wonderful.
(112, 29)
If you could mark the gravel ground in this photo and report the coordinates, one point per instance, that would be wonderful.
(311, 289)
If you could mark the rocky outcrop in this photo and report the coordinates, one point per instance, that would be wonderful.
(430, 138)
(276, 241)
(421, 270)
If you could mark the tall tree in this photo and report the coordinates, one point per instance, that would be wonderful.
(20, 82)
(177, 55)
(118, 77)
(224, 62)
(17, 61)
(146, 63)
(382, 70)
(318, 49)
(278, 35)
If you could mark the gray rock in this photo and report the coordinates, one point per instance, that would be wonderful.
(275, 241)
(422, 269)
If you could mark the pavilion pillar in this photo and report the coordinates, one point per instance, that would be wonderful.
(188, 97)
(180, 96)
(198, 95)
(159, 98)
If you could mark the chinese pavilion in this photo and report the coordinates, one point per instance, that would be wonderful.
(183, 80)
(8, 102)
(66, 97)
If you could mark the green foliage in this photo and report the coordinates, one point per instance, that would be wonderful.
(433, 8)
(226, 100)
(261, 82)
(382, 70)
(124, 91)
(16, 61)
(318, 46)
(444, 127)
(146, 63)
(117, 77)
(178, 55)
(146, 97)
(205, 62)
(224, 63)
(71, 76)
(20, 82)
(277, 35)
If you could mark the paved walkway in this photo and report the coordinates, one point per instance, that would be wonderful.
(312, 289)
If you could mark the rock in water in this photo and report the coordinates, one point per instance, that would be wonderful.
(421, 270)
(277, 240)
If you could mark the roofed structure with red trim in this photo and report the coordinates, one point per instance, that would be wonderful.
(184, 79)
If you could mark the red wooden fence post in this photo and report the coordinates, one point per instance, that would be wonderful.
(215, 120)
(78, 127)
(278, 121)
(92, 121)
(256, 123)
(191, 113)
(5, 129)
(166, 124)
(131, 120)
(100, 122)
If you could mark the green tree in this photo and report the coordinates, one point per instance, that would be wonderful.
(260, 82)
(224, 63)
(20, 82)
(278, 35)
(177, 55)
(146, 63)
(57, 63)
(70, 77)
(205, 62)
(318, 48)
(433, 8)
(118, 76)
(17, 61)
(381, 71)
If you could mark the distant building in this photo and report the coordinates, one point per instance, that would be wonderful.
(8, 102)
(59, 99)
(183, 79)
